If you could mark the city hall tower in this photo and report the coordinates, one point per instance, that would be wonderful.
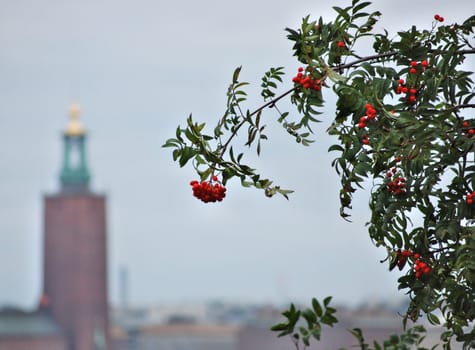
(75, 248)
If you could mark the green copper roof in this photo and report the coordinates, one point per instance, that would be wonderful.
(74, 175)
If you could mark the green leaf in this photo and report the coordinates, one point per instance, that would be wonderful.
(433, 319)
(327, 301)
(317, 307)
(236, 73)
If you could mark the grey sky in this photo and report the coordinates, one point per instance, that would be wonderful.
(138, 68)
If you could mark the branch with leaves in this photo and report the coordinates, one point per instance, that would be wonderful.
(403, 128)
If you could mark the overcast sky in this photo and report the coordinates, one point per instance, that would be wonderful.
(138, 68)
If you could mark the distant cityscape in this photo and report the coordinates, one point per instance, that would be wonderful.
(211, 326)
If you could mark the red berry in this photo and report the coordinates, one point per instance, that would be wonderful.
(412, 99)
(413, 91)
(341, 44)
(413, 63)
(424, 63)
(465, 124)
(471, 132)
(413, 71)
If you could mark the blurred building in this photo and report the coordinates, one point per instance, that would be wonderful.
(247, 327)
(73, 310)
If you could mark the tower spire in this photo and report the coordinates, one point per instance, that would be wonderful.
(75, 175)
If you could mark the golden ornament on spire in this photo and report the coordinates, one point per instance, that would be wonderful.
(74, 127)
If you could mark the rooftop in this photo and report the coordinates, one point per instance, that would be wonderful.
(15, 322)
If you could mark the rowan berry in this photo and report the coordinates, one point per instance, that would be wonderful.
(370, 111)
(406, 253)
(470, 197)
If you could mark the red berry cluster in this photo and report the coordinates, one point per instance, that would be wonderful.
(396, 184)
(407, 253)
(208, 191)
(306, 81)
(470, 197)
(371, 114)
(411, 92)
(438, 18)
(469, 130)
(420, 267)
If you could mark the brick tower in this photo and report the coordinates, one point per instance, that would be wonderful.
(75, 250)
